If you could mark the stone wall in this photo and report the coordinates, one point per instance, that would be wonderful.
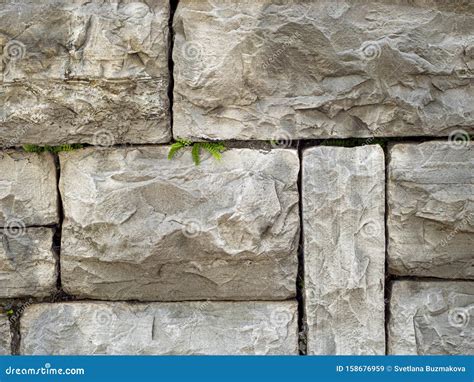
(340, 219)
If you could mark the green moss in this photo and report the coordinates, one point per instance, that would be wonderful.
(214, 148)
(353, 142)
(51, 149)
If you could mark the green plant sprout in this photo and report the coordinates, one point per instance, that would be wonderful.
(214, 148)
(51, 149)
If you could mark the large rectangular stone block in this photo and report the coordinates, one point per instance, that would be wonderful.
(93, 72)
(344, 249)
(138, 226)
(316, 69)
(432, 317)
(431, 209)
(27, 263)
(28, 190)
(184, 328)
(5, 336)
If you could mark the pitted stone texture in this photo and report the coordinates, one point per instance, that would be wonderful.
(27, 263)
(5, 336)
(28, 193)
(431, 210)
(344, 246)
(205, 328)
(138, 226)
(300, 69)
(93, 72)
(431, 318)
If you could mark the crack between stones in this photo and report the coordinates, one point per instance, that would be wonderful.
(302, 323)
(387, 277)
(173, 6)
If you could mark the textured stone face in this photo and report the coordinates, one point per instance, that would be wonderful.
(431, 210)
(27, 263)
(300, 69)
(5, 337)
(344, 249)
(161, 328)
(76, 71)
(431, 318)
(28, 194)
(138, 226)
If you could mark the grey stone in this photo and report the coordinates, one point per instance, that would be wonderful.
(431, 318)
(138, 226)
(91, 72)
(160, 328)
(28, 190)
(27, 263)
(300, 69)
(344, 249)
(5, 336)
(431, 210)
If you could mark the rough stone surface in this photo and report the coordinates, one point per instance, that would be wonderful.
(27, 263)
(265, 69)
(161, 328)
(431, 318)
(28, 193)
(138, 226)
(5, 336)
(431, 210)
(75, 71)
(344, 249)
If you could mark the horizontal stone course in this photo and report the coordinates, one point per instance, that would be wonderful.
(431, 209)
(27, 263)
(344, 249)
(28, 190)
(183, 328)
(431, 317)
(76, 72)
(138, 226)
(319, 69)
(5, 336)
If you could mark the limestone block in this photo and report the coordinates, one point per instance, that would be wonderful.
(317, 69)
(431, 210)
(28, 192)
(138, 226)
(84, 72)
(183, 328)
(27, 263)
(433, 317)
(5, 336)
(344, 249)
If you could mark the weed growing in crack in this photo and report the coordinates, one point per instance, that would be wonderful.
(213, 148)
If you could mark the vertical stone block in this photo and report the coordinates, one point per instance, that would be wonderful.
(5, 336)
(344, 249)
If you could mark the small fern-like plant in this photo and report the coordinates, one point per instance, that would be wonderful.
(213, 148)
(51, 149)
